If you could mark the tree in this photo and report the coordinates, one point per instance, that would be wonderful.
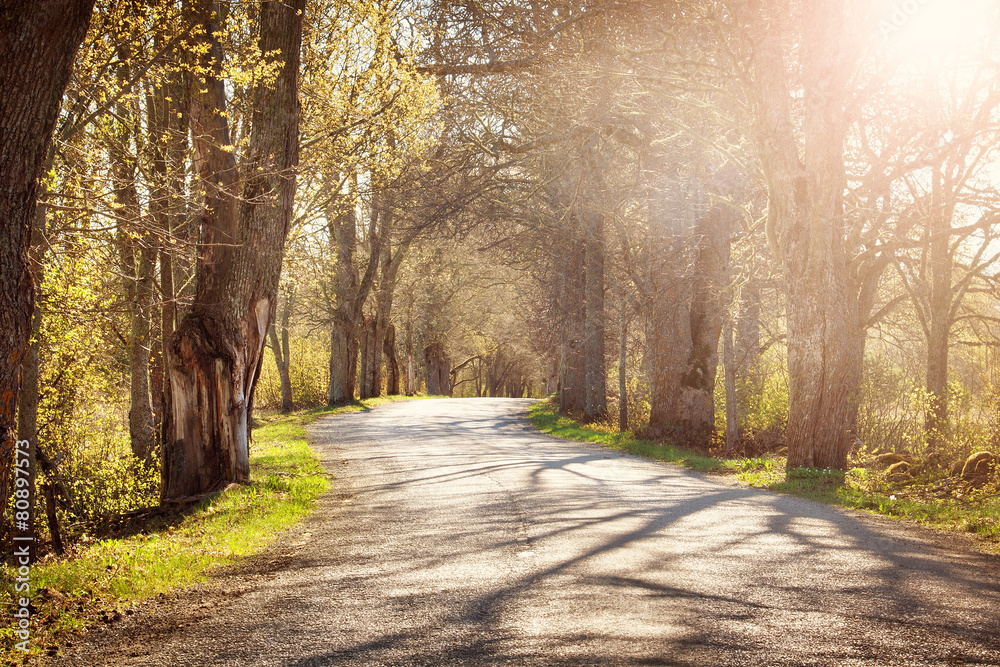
(214, 357)
(951, 210)
(804, 172)
(282, 353)
(38, 41)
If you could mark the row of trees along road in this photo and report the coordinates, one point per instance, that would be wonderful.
(652, 210)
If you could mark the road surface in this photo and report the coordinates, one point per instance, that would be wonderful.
(457, 535)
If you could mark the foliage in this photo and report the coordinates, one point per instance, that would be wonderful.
(309, 371)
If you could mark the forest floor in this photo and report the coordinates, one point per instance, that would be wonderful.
(457, 534)
(939, 500)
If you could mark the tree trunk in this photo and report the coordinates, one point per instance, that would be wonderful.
(805, 218)
(368, 374)
(27, 407)
(707, 314)
(623, 364)
(596, 375)
(36, 59)
(286, 357)
(939, 321)
(49, 490)
(138, 257)
(684, 339)
(351, 293)
(732, 400)
(282, 355)
(166, 108)
(391, 362)
(411, 370)
(438, 369)
(343, 362)
(140, 415)
(668, 339)
(214, 357)
(573, 389)
(747, 330)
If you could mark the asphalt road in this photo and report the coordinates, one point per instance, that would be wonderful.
(458, 535)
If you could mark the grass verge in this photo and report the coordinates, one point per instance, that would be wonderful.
(858, 488)
(99, 580)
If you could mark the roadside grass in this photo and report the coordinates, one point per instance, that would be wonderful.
(920, 500)
(100, 579)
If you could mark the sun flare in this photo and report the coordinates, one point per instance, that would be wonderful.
(938, 29)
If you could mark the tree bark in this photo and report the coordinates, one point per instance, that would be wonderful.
(214, 356)
(352, 293)
(392, 379)
(623, 364)
(167, 137)
(343, 333)
(369, 357)
(282, 355)
(686, 327)
(939, 321)
(138, 258)
(747, 332)
(729, 368)
(438, 369)
(411, 370)
(596, 376)
(38, 42)
(49, 490)
(142, 431)
(343, 362)
(573, 388)
(805, 218)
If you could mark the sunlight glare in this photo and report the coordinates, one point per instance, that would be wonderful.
(938, 29)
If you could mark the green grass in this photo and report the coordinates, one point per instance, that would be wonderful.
(102, 578)
(858, 488)
(547, 419)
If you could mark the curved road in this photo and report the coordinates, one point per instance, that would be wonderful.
(456, 534)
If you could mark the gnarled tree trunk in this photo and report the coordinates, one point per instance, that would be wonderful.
(214, 357)
(804, 171)
(684, 334)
